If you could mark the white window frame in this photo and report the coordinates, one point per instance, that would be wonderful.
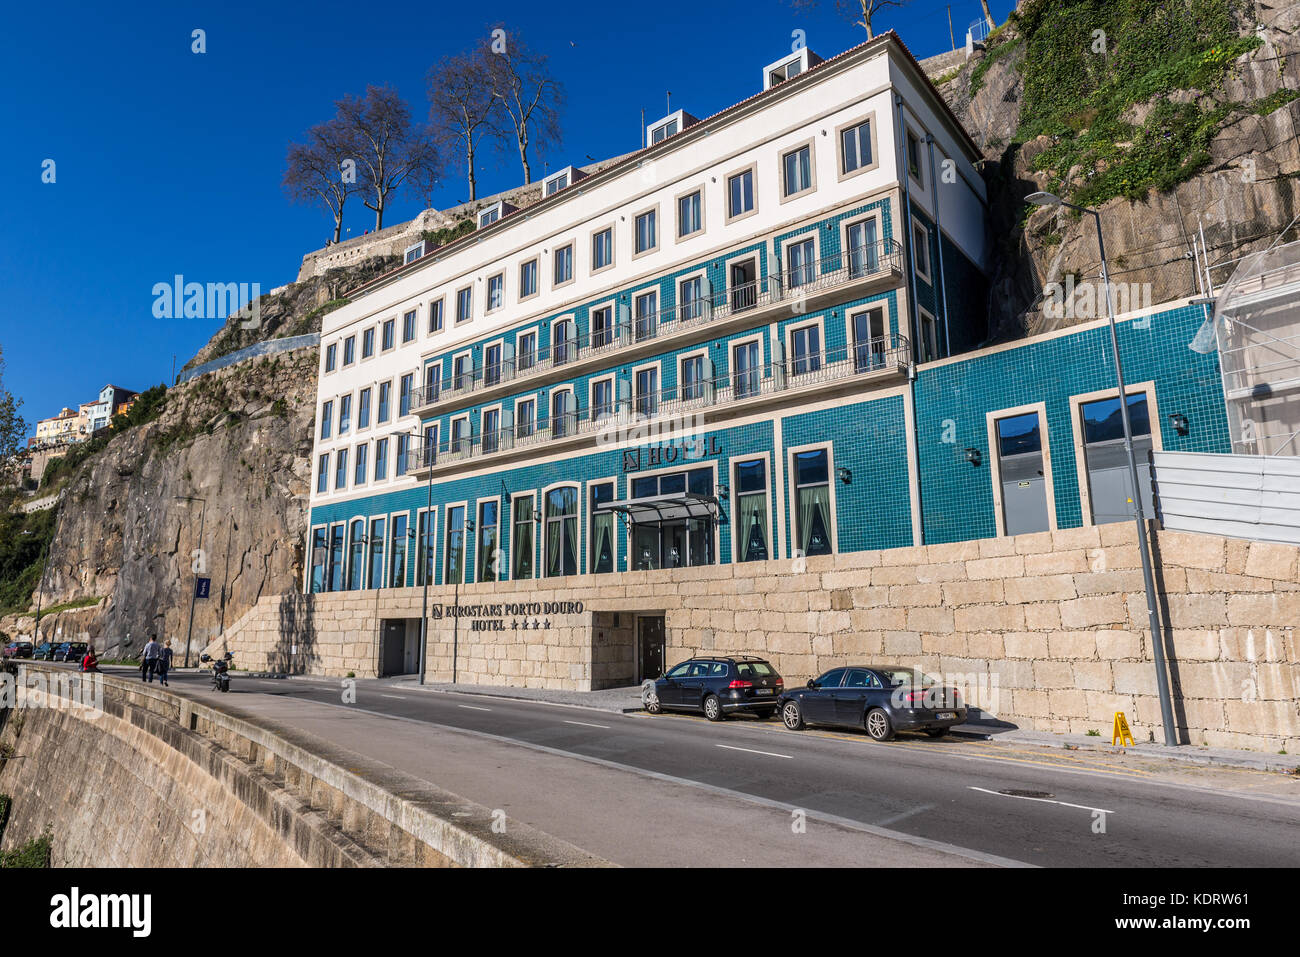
(792, 491)
(991, 420)
(654, 210)
(1077, 402)
(811, 145)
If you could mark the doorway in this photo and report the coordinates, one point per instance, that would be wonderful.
(399, 647)
(650, 645)
(1022, 473)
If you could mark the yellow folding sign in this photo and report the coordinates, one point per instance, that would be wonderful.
(1121, 734)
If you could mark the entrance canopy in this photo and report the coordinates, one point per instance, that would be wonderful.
(665, 508)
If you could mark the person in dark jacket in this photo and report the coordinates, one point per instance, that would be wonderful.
(149, 659)
(164, 661)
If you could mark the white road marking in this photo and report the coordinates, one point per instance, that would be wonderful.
(1024, 797)
(397, 696)
(586, 725)
(770, 754)
(470, 707)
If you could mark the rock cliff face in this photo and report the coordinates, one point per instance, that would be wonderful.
(1245, 189)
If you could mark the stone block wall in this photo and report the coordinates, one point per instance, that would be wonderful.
(1047, 631)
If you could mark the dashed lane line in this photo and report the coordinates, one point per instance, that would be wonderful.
(1026, 797)
(770, 754)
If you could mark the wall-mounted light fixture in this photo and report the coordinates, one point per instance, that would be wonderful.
(1180, 423)
(974, 457)
(722, 491)
(843, 474)
(537, 515)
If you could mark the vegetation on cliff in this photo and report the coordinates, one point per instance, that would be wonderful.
(24, 539)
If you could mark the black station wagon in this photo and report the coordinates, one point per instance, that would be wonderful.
(718, 687)
(882, 699)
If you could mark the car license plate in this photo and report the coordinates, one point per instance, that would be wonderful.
(945, 715)
(763, 691)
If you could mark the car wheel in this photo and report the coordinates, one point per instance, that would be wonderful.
(651, 701)
(878, 725)
(713, 708)
(936, 732)
(791, 716)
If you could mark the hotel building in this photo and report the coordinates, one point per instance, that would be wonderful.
(758, 339)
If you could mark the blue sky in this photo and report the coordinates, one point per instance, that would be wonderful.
(170, 162)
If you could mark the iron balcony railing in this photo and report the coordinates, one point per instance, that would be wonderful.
(628, 324)
(610, 419)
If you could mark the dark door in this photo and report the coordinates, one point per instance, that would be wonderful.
(650, 635)
(392, 647)
(851, 697)
(744, 285)
(819, 702)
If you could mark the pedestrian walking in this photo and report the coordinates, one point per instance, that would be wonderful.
(149, 660)
(164, 661)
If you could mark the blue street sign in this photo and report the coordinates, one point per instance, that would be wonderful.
(201, 587)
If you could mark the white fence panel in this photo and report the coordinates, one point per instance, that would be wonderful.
(1242, 496)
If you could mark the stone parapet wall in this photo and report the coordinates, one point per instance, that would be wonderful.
(1050, 628)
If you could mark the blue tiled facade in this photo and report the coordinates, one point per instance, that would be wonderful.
(865, 424)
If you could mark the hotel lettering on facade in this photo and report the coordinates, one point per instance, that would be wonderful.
(755, 340)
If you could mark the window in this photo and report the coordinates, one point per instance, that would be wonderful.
(460, 371)
(785, 71)
(435, 317)
(673, 543)
(359, 469)
(336, 558)
(326, 419)
(521, 538)
(921, 251)
(491, 426)
(488, 554)
(602, 327)
(381, 459)
(811, 472)
(385, 396)
(363, 409)
(647, 315)
(323, 473)
(743, 283)
(802, 262)
(753, 519)
(429, 448)
(349, 350)
(492, 364)
(869, 340)
(914, 158)
(602, 398)
(805, 349)
(331, 356)
(496, 291)
(855, 147)
(525, 418)
(408, 326)
(424, 549)
(345, 414)
(563, 418)
(692, 377)
(602, 529)
(646, 236)
(564, 347)
(377, 552)
(740, 193)
(526, 350)
(387, 342)
(459, 434)
(663, 131)
(690, 298)
(397, 554)
(412, 253)
(403, 453)
(557, 183)
(647, 391)
(690, 214)
(864, 253)
(929, 331)
(356, 554)
(319, 555)
(562, 532)
(602, 249)
(746, 369)
(528, 279)
(563, 265)
(404, 398)
(341, 469)
(465, 304)
(367, 343)
(489, 216)
(796, 168)
(1110, 494)
(454, 570)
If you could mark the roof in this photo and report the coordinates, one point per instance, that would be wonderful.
(631, 160)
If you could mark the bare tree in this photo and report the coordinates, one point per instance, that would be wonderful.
(462, 108)
(988, 14)
(861, 13)
(529, 96)
(391, 153)
(322, 170)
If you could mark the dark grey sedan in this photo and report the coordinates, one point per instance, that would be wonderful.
(881, 699)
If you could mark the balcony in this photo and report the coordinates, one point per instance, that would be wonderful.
(657, 415)
(631, 335)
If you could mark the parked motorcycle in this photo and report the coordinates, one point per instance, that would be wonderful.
(220, 670)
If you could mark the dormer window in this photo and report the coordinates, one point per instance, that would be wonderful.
(413, 253)
(491, 214)
(789, 67)
(561, 179)
(669, 125)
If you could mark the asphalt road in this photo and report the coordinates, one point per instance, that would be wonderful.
(1071, 809)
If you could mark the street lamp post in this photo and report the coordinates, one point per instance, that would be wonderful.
(1148, 579)
(426, 563)
(189, 634)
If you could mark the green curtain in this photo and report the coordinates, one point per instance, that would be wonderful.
(814, 503)
(604, 543)
(571, 545)
(552, 547)
(753, 506)
(524, 549)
